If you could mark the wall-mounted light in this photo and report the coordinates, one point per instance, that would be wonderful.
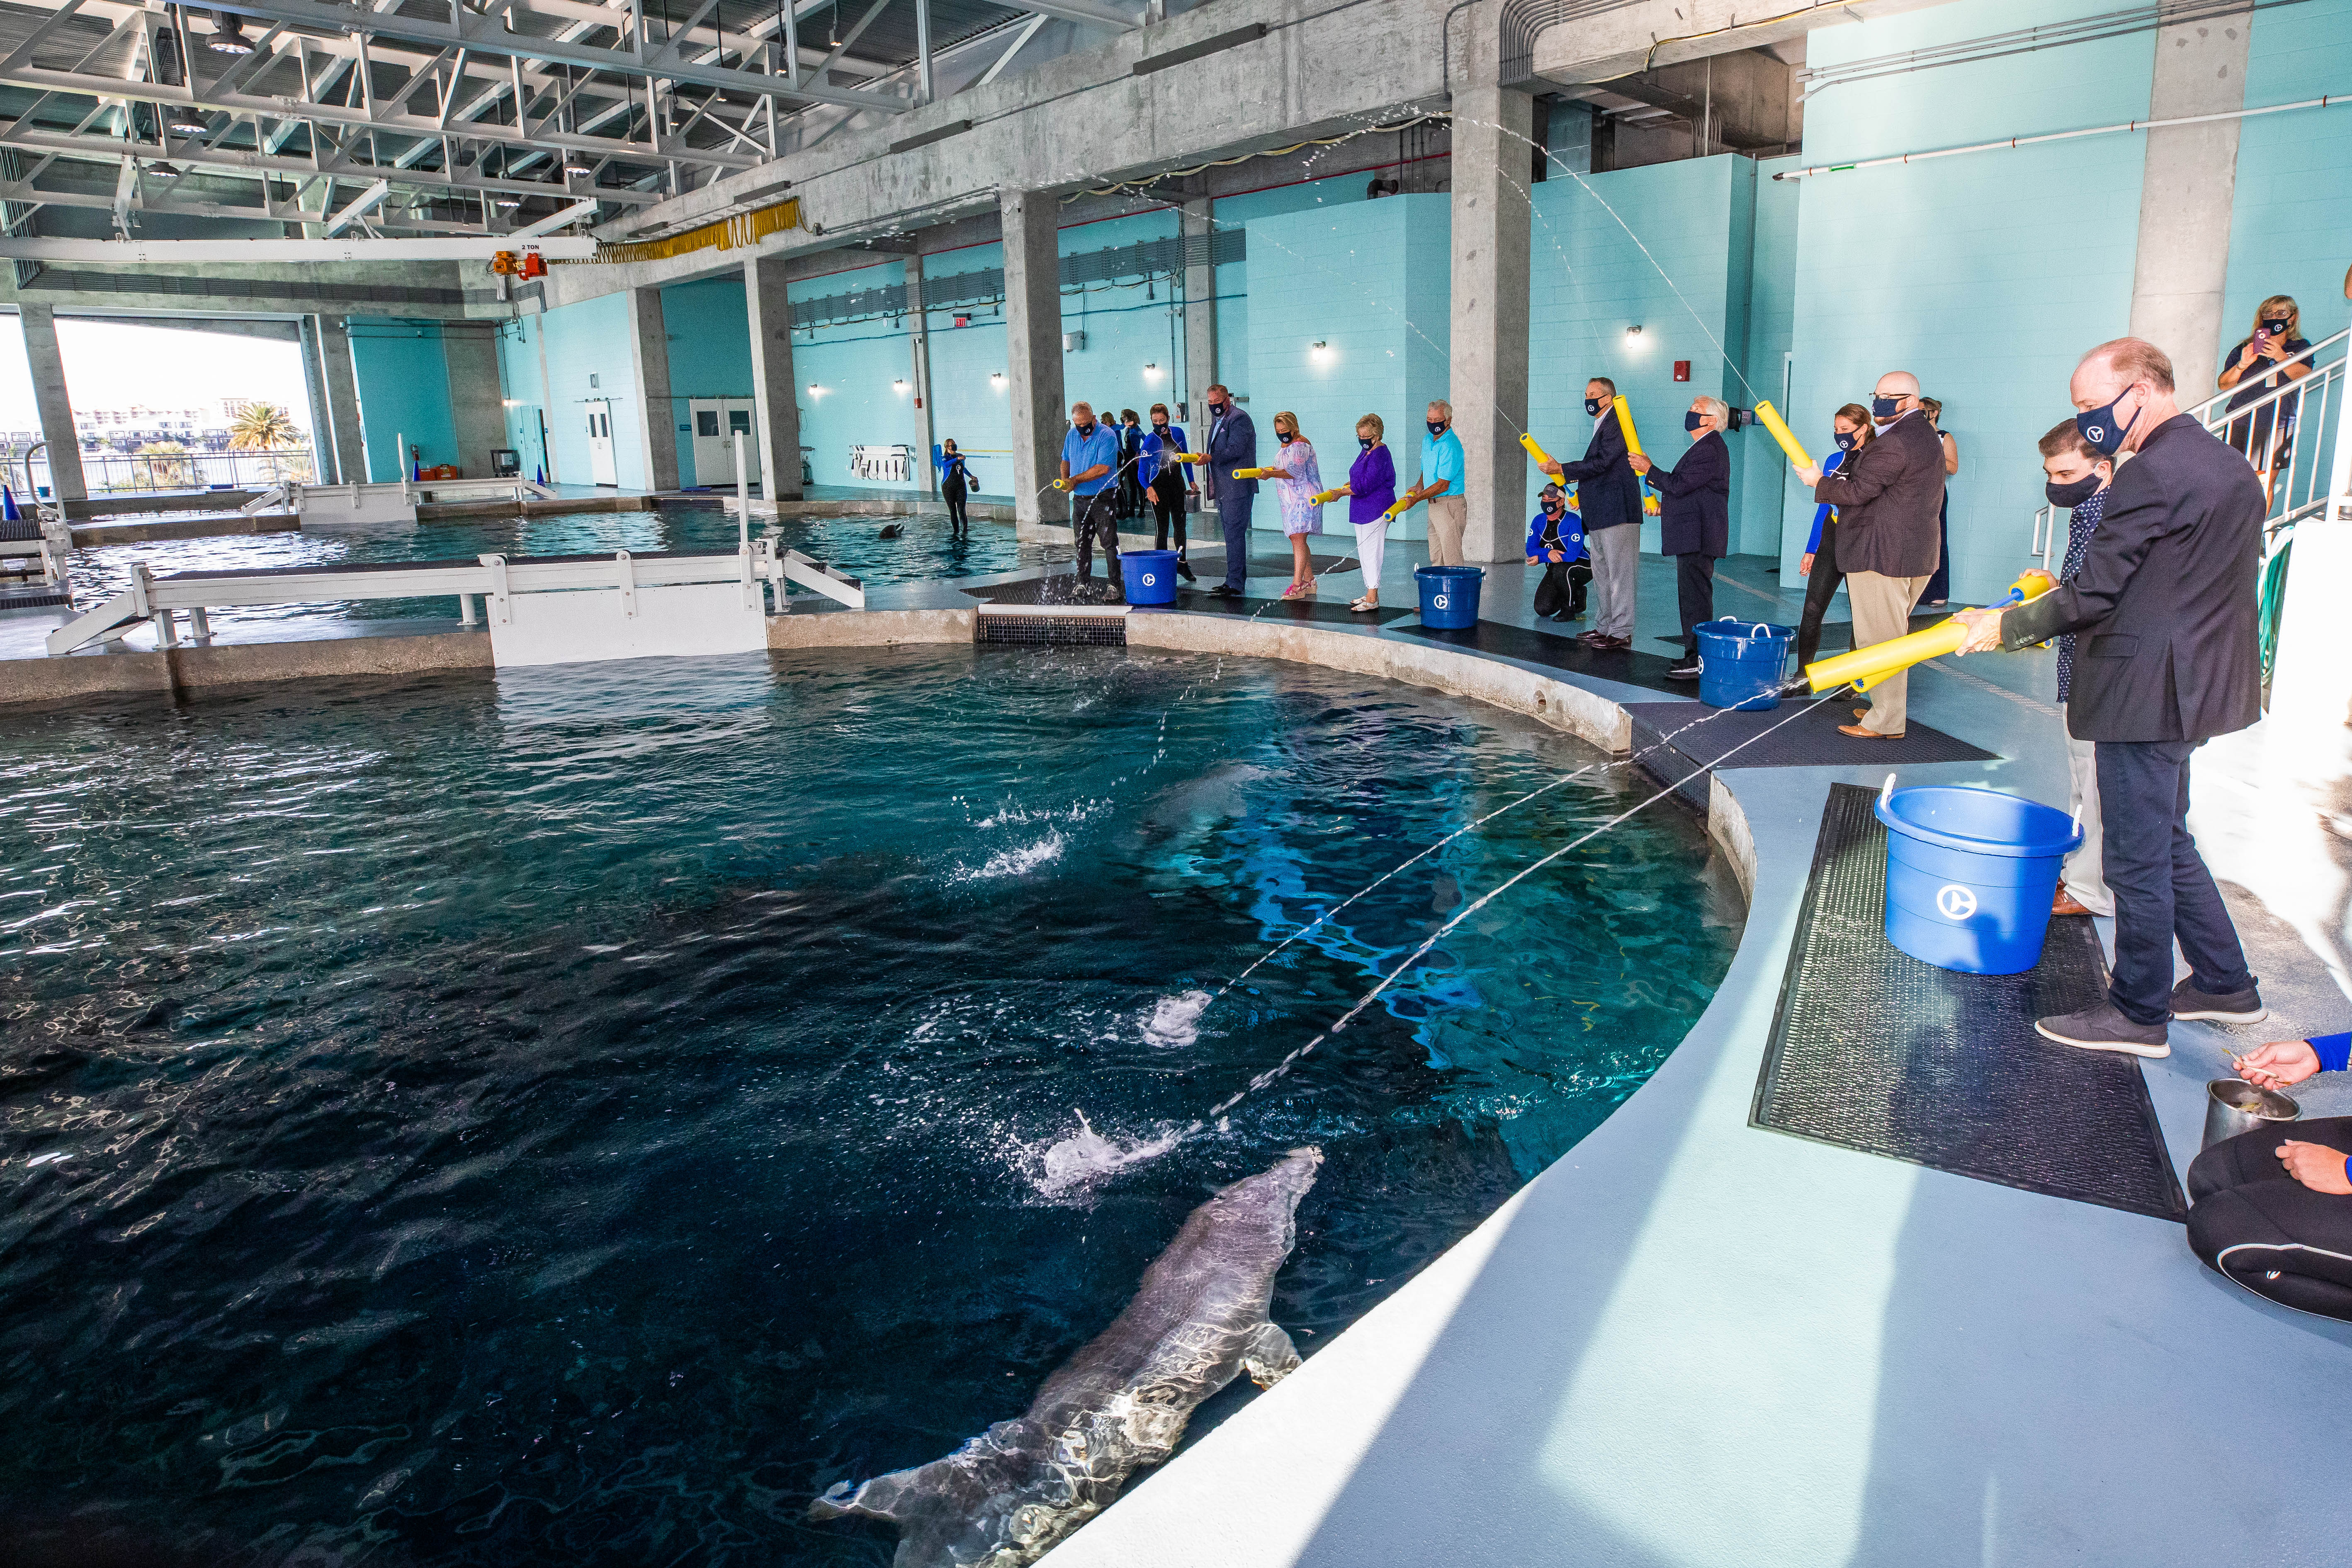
(900, 387)
(1152, 371)
(996, 378)
(815, 391)
(1634, 337)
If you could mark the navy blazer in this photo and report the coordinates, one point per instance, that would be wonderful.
(2164, 606)
(1694, 499)
(1890, 499)
(1607, 493)
(1233, 444)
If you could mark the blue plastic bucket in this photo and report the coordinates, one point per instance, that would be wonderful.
(1151, 575)
(1970, 875)
(1742, 664)
(1449, 596)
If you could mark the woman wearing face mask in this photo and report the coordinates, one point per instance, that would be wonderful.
(1371, 491)
(2255, 369)
(1296, 487)
(1163, 482)
(1819, 568)
(1939, 586)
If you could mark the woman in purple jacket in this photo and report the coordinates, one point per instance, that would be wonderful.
(1371, 491)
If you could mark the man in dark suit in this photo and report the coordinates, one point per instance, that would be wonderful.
(1610, 498)
(1889, 496)
(1695, 517)
(1231, 444)
(2163, 609)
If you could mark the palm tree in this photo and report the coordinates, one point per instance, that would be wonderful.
(263, 427)
(166, 466)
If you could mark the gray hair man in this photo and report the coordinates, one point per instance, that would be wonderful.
(1889, 496)
(1695, 519)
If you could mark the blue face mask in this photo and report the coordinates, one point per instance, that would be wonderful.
(1886, 408)
(2101, 428)
(1694, 419)
(1594, 405)
(1848, 442)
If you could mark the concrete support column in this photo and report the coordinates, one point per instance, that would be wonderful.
(649, 350)
(1032, 337)
(476, 397)
(343, 402)
(926, 477)
(322, 426)
(49, 396)
(778, 413)
(1487, 383)
(2183, 260)
(1200, 230)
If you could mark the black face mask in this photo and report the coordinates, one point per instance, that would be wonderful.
(1849, 441)
(2100, 430)
(1366, 442)
(2276, 329)
(1694, 419)
(1286, 436)
(1595, 404)
(1436, 426)
(1217, 409)
(2073, 495)
(1160, 425)
(1886, 408)
(1087, 429)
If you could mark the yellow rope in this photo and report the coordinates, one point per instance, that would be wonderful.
(727, 234)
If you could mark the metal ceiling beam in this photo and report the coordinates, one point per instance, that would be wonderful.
(151, 251)
(481, 31)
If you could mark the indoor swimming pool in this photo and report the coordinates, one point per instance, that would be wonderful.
(923, 549)
(578, 1116)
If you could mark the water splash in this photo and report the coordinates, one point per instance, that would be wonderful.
(1085, 1156)
(1176, 1020)
(1018, 861)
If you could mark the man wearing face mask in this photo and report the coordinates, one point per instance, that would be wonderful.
(1443, 468)
(2078, 474)
(1694, 519)
(1231, 444)
(1090, 457)
(1889, 496)
(1163, 481)
(1611, 499)
(2165, 600)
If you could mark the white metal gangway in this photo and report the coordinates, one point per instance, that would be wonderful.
(548, 609)
(2295, 424)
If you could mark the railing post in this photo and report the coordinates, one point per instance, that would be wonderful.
(2311, 682)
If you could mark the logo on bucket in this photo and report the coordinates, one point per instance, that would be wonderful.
(1437, 601)
(1148, 580)
(1956, 902)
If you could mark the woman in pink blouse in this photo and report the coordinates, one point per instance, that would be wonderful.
(1297, 486)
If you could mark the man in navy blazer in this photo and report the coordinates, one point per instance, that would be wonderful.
(1694, 515)
(1231, 444)
(1610, 498)
(2165, 614)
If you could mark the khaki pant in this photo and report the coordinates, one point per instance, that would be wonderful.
(1448, 516)
(1882, 612)
(1616, 576)
(2085, 873)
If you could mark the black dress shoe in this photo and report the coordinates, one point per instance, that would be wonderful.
(1225, 591)
(1184, 569)
(1689, 671)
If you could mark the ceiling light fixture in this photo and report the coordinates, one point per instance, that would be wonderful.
(189, 125)
(229, 35)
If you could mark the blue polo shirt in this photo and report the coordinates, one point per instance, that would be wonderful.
(1441, 458)
(1082, 452)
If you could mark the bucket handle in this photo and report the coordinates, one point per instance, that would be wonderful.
(1888, 793)
(1758, 629)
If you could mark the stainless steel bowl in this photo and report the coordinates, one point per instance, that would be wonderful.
(2234, 1106)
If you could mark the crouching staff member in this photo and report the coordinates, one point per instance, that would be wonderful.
(1164, 482)
(1556, 543)
(2078, 477)
(1820, 567)
(2167, 597)
(1694, 519)
(1090, 457)
(2273, 1212)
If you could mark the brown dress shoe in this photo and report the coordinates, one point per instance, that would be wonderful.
(2065, 904)
(1861, 734)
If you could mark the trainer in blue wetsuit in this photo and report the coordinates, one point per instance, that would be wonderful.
(2272, 1210)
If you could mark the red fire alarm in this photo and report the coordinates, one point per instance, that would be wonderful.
(1681, 370)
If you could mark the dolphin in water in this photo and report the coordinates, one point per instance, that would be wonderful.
(1198, 1321)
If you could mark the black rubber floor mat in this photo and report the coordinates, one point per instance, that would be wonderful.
(1810, 740)
(1560, 651)
(1332, 611)
(1873, 1050)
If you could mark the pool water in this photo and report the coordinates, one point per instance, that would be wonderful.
(577, 1116)
(854, 544)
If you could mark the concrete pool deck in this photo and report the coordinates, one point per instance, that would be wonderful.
(1692, 1341)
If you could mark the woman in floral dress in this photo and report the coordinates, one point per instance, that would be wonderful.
(1301, 477)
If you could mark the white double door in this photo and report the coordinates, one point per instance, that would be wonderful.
(721, 425)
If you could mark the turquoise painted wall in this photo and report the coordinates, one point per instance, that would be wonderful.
(856, 380)
(1663, 262)
(2290, 227)
(1233, 213)
(588, 339)
(526, 397)
(1986, 275)
(402, 382)
(709, 331)
(1127, 326)
(1385, 328)
(1765, 494)
(970, 400)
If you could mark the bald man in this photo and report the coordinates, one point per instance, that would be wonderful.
(1889, 496)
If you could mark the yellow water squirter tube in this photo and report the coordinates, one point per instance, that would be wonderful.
(1866, 666)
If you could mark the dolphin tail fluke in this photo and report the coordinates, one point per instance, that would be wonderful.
(1269, 1356)
(839, 1502)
